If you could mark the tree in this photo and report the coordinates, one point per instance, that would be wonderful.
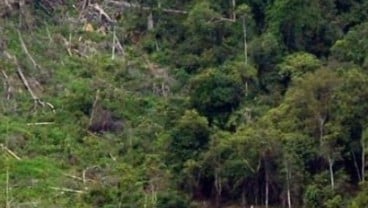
(303, 25)
(361, 200)
(312, 101)
(352, 48)
(297, 151)
(266, 51)
(188, 138)
(352, 98)
(216, 95)
(297, 64)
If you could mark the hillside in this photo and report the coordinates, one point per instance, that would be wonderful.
(183, 104)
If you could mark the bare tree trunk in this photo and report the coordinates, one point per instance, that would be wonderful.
(330, 165)
(245, 41)
(218, 187)
(356, 166)
(113, 44)
(244, 200)
(321, 129)
(329, 157)
(150, 23)
(245, 51)
(233, 2)
(267, 188)
(288, 174)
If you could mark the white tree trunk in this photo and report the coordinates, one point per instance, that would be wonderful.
(356, 166)
(233, 2)
(288, 185)
(330, 165)
(245, 41)
(218, 186)
(150, 23)
(245, 51)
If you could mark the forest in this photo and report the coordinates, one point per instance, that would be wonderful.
(184, 103)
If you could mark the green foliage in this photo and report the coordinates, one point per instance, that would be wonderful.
(171, 199)
(297, 64)
(298, 23)
(216, 95)
(189, 137)
(353, 46)
(361, 200)
(192, 122)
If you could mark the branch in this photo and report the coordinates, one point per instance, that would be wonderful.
(40, 123)
(24, 47)
(6, 84)
(95, 102)
(7, 4)
(116, 45)
(74, 177)
(35, 98)
(68, 190)
(102, 12)
(9, 151)
(85, 4)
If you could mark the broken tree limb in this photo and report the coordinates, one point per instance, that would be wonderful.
(84, 176)
(116, 45)
(6, 84)
(113, 45)
(95, 102)
(40, 123)
(81, 179)
(102, 12)
(68, 190)
(25, 49)
(9, 152)
(48, 34)
(85, 4)
(68, 44)
(20, 73)
(6, 2)
(74, 177)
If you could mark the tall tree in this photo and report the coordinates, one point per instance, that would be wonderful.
(352, 96)
(303, 25)
(312, 100)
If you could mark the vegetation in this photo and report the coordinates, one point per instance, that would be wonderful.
(183, 104)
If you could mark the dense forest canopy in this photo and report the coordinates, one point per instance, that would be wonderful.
(178, 104)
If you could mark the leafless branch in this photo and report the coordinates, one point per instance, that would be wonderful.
(6, 84)
(68, 190)
(9, 151)
(20, 73)
(102, 12)
(94, 107)
(40, 123)
(74, 177)
(25, 49)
